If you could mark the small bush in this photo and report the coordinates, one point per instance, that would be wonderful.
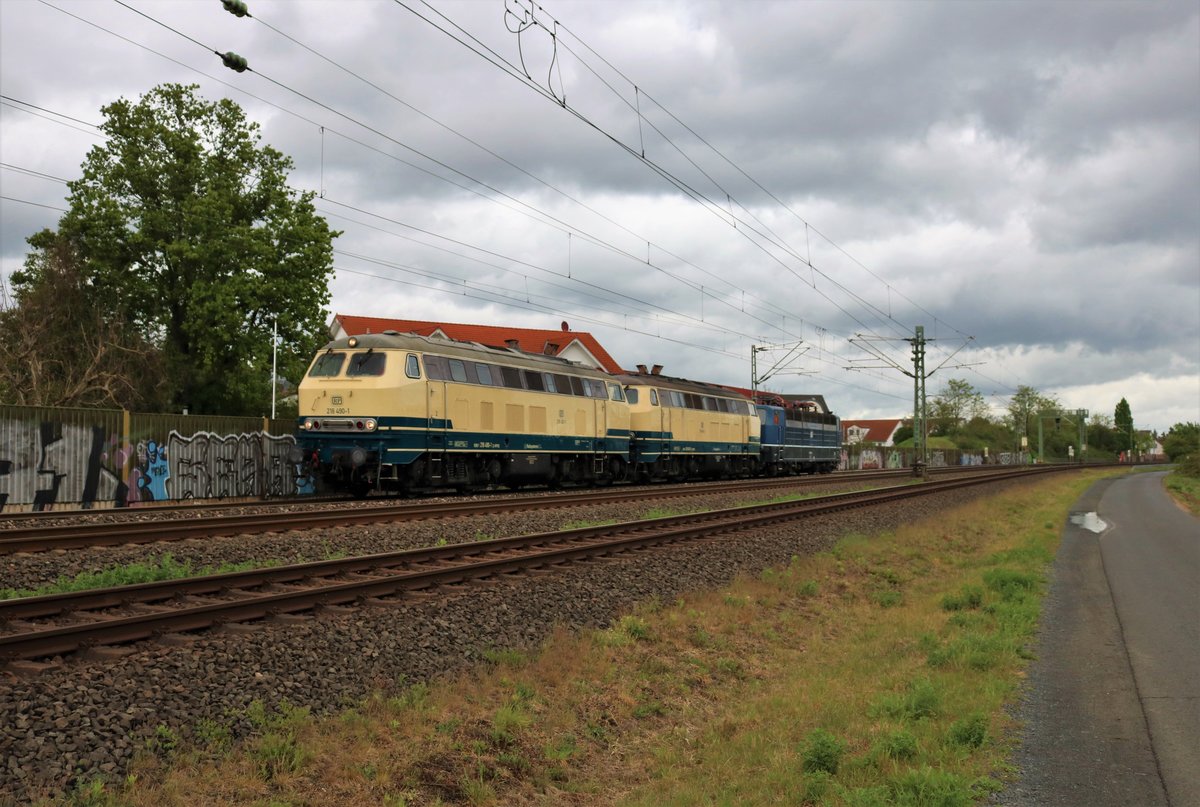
(635, 628)
(278, 753)
(822, 752)
(506, 722)
(925, 787)
(1009, 583)
(899, 744)
(868, 797)
(970, 732)
(920, 700)
(969, 597)
(886, 598)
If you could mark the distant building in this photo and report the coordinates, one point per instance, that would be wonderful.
(875, 432)
(577, 346)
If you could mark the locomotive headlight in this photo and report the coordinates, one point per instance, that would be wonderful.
(352, 341)
(308, 424)
(370, 424)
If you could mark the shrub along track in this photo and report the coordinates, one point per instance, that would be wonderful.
(78, 721)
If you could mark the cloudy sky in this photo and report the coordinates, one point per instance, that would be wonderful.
(688, 179)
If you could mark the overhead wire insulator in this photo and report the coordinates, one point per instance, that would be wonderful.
(234, 62)
(236, 7)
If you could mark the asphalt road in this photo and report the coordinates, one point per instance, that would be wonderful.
(1112, 710)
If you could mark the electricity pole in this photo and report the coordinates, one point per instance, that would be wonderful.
(919, 404)
(919, 375)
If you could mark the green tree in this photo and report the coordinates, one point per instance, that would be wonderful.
(185, 222)
(1026, 404)
(61, 346)
(1182, 440)
(957, 404)
(1123, 423)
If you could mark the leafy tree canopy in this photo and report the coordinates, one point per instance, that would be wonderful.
(1182, 440)
(957, 404)
(1025, 404)
(1122, 419)
(185, 222)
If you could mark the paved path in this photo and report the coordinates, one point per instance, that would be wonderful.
(1113, 707)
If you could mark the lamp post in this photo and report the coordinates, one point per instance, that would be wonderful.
(274, 357)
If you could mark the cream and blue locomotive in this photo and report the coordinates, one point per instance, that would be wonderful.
(686, 429)
(402, 412)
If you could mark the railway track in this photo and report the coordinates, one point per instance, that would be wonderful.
(51, 625)
(107, 533)
(82, 534)
(21, 520)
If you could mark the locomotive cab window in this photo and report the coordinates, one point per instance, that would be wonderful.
(327, 365)
(533, 381)
(457, 371)
(512, 377)
(436, 368)
(369, 363)
(631, 395)
(615, 392)
(485, 374)
(653, 397)
(412, 368)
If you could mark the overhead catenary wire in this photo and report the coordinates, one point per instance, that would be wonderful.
(706, 203)
(397, 142)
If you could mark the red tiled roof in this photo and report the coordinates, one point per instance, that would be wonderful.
(878, 431)
(530, 340)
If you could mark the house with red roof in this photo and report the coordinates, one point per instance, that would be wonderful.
(875, 432)
(577, 346)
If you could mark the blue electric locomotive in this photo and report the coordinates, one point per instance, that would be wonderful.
(797, 436)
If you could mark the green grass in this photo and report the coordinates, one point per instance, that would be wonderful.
(1184, 485)
(162, 568)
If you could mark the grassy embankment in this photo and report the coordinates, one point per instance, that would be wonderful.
(1184, 483)
(873, 674)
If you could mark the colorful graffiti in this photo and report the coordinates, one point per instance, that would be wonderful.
(49, 463)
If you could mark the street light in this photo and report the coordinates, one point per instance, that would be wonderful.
(274, 356)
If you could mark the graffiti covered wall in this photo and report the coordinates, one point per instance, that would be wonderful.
(49, 458)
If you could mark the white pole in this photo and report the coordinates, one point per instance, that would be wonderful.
(274, 353)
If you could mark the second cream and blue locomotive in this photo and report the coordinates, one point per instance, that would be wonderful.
(402, 412)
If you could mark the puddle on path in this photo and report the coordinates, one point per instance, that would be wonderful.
(1089, 521)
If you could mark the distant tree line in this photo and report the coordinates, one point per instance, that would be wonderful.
(960, 417)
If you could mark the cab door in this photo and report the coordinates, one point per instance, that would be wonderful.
(670, 418)
(436, 415)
